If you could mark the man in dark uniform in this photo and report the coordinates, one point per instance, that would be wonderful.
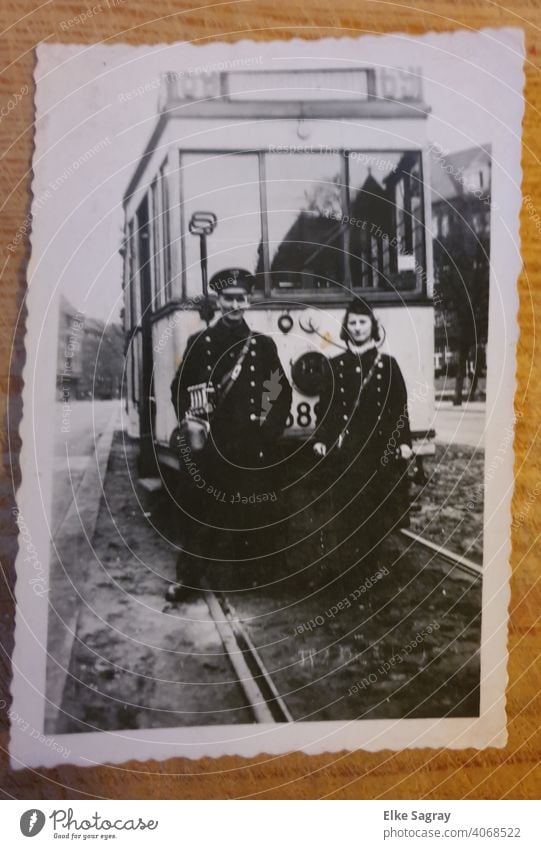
(230, 486)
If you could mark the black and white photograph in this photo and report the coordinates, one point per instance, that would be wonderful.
(268, 419)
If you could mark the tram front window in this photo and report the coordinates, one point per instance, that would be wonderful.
(305, 205)
(228, 185)
(309, 222)
(386, 235)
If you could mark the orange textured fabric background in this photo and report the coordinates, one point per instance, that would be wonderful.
(512, 772)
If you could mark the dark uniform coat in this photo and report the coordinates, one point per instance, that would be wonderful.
(236, 480)
(367, 492)
(253, 414)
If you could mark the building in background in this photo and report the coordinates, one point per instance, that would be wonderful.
(69, 367)
(90, 356)
(461, 201)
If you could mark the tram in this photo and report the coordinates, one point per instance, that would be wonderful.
(318, 184)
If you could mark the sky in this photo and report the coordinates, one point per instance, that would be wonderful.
(92, 126)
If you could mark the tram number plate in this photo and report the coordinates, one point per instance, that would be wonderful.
(302, 415)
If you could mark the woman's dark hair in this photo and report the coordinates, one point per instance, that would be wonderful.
(360, 307)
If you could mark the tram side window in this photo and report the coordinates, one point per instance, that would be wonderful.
(305, 205)
(417, 215)
(160, 232)
(155, 245)
(166, 233)
(132, 275)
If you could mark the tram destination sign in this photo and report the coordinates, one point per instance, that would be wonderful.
(403, 85)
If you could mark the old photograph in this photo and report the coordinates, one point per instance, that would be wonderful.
(268, 398)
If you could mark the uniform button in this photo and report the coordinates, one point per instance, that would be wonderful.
(378, 376)
(252, 383)
(340, 374)
(378, 404)
(252, 400)
(252, 368)
(345, 418)
(380, 365)
(343, 403)
(253, 342)
(231, 353)
(342, 389)
(253, 417)
(379, 388)
(252, 353)
(341, 362)
(358, 369)
(207, 338)
(209, 368)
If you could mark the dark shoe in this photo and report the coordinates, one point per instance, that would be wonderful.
(178, 592)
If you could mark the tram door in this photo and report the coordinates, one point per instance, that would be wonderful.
(147, 404)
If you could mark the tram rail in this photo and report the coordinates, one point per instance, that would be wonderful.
(264, 699)
(458, 560)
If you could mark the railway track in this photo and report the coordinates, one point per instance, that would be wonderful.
(263, 698)
(456, 560)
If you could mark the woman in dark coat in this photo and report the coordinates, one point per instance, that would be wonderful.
(363, 433)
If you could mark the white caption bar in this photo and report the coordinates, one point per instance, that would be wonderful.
(245, 824)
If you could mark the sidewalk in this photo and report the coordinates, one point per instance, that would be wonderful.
(463, 425)
(74, 522)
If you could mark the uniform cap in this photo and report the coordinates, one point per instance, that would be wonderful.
(360, 307)
(230, 277)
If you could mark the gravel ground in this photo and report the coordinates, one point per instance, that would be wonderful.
(449, 508)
